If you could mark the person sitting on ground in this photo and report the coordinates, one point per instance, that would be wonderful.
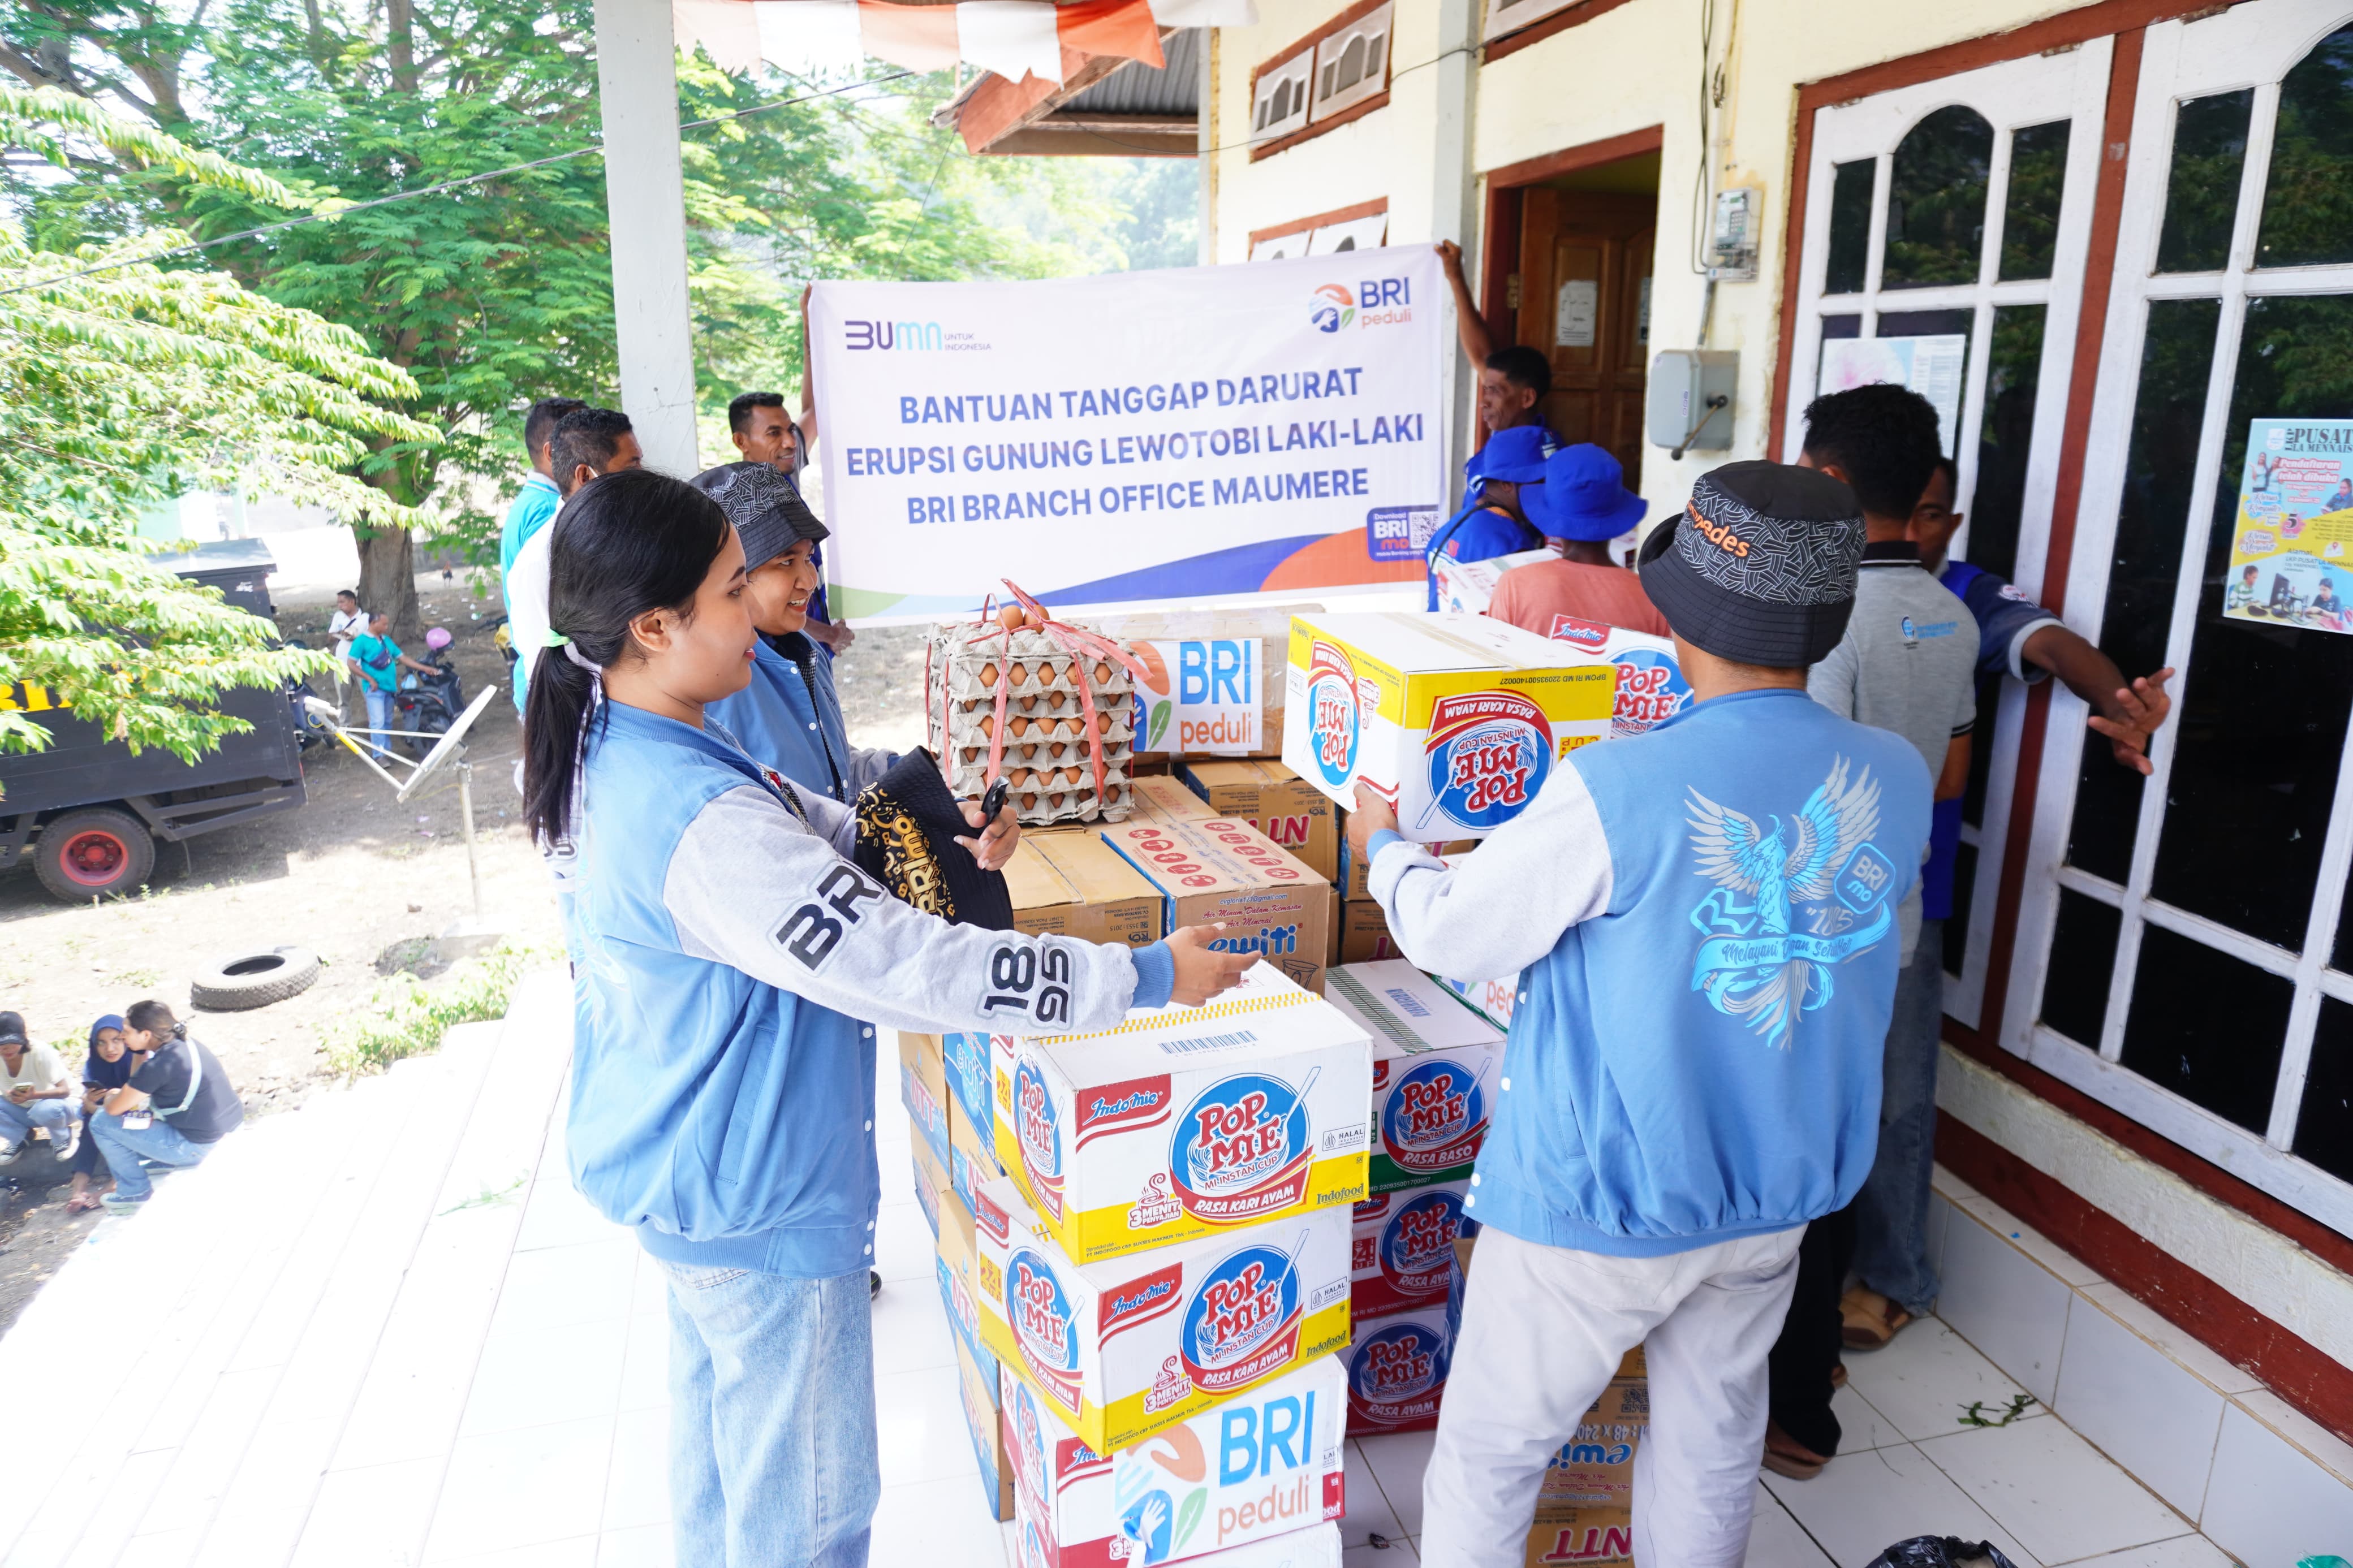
(1581, 506)
(104, 1069)
(1491, 523)
(34, 1092)
(763, 433)
(587, 443)
(378, 661)
(175, 1105)
(790, 716)
(1659, 1147)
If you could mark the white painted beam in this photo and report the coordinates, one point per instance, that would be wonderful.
(1454, 197)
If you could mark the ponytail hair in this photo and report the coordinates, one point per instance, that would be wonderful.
(625, 545)
(154, 1017)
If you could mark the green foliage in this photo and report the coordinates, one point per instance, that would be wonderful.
(408, 1018)
(130, 383)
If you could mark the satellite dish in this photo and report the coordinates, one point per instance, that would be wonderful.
(450, 744)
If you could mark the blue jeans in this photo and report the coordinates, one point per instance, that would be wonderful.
(1892, 1211)
(379, 707)
(17, 1121)
(773, 1460)
(124, 1147)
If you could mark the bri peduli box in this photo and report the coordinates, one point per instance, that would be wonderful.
(1223, 869)
(1434, 1067)
(1402, 1254)
(1318, 1546)
(1181, 1121)
(1131, 1346)
(1455, 721)
(1493, 1000)
(1262, 1464)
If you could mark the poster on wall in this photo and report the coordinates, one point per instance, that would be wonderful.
(1930, 366)
(2292, 555)
(1204, 435)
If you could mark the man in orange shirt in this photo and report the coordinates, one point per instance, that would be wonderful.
(1580, 507)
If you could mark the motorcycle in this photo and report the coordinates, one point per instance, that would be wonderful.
(429, 704)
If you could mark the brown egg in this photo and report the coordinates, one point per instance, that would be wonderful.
(1028, 803)
(1019, 675)
(1032, 619)
(971, 704)
(988, 676)
(1103, 722)
(1010, 617)
(1028, 705)
(1111, 794)
(970, 753)
(1103, 673)
(989, 723)
(1056, 701)
(1017, 725)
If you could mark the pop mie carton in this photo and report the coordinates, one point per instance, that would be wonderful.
(1259, 1464)
(1131, 1346)
(1434, 1066)
(1402, 1254)
(1456, 721)
(1181, 1121)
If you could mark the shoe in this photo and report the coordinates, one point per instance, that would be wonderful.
(1868, 1321)
(1785, 1456)
(873, 1284)
(121, 1203)
(11, 1154)
(1837, 1375)
(73, 1145)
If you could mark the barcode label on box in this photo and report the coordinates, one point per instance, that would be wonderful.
(1208, 1042)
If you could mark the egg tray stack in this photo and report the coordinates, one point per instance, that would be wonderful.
(1044, 755)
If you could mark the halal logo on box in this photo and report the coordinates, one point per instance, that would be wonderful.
(1416, 1249)
(1434, 1118)
(1332, 721)
(1243, 1149)
(1243, 1322)
(1040, 1139)
(1489, 752)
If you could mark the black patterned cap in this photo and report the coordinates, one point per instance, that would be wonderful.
(767, 512)
(1760, 567)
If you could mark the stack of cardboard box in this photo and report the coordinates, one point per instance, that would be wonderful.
(1164, 1274)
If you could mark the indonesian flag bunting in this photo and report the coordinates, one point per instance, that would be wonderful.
(1015, 40)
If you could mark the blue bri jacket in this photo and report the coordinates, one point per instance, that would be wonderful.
(723, 1084)
(1705, 914)
(789, 718)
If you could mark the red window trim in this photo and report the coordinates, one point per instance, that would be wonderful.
(1378, 206)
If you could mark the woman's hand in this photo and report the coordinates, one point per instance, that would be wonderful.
(994, 847)
(1202, 972)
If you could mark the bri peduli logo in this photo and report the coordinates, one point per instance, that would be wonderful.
(1243, 1321)
(1243, 1147)
(1330, 308)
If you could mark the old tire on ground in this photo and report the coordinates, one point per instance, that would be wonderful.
(253, 980)
(95, 852)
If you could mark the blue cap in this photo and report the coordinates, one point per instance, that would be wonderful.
(1583, 496)
(1515, 456)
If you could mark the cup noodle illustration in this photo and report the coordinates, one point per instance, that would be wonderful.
(1051, 709)
(1650, 687)
(1179, 1121)
(1401, 1252)
(1263, 1464)
(1396, 1370)
(1318, 1546)
(1434, 1066)
(1124, 1348)
(1455, 721)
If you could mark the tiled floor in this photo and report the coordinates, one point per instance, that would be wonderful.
(392, 1335)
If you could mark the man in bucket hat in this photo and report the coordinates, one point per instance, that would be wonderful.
(1701, 918)
(1491, 523)
(1581, 506)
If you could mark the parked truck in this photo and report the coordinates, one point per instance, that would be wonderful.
(88, 813)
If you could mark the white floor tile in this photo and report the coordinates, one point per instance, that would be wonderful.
(1861, 1503)
(645, 1365)
(636, 1488)
(166, 1549)
(2130, 1400)
(579, 1552)
(1940, 1211)
(911, 1328)
(2268, 1503)
(1398, 1460)
(650, 1295)
(904, 1245)
(1860, 1426)
(2033, 1242)
(2176, 1343)
(1776, 1538)
(920, 1427)
(555, 1215)
(1396, 1555)
(1925, 1377)
(532, 1374)
(1950, 1186)
(1369, 1513)
(511, 1489)
(936, 1527)
(374, 1518)
(2004, 1303)
(2182, 1551)
(2314, 1441)
(2061, 1498)
(554, 1286)
(648, 1546)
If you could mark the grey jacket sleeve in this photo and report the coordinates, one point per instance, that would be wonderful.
(748, 886)
(864, 768)
(1506, 906)
(1831, 681)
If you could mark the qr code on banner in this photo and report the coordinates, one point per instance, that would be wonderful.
(1209, 1043)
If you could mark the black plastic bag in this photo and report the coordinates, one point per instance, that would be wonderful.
(1941, 1551)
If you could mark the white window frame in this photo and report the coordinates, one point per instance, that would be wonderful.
(1366, 233)
(1373, 30)
(1300, 71)
(2013, 96)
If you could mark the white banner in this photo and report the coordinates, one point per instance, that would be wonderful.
(1195, 435)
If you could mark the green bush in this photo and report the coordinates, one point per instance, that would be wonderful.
(408, 1018)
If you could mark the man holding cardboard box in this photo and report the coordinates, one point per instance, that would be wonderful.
(1661, 1137)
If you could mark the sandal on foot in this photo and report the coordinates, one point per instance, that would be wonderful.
(1838, 1374)
(1785, 1456)
(1867, 1320)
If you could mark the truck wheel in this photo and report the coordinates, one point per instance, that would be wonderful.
(94, 853)
(255, 980)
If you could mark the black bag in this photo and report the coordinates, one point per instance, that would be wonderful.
(908, 826)
(1941, 1551)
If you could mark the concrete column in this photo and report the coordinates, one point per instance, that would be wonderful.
(1454, 199)
(637, 83)
(1206, 117)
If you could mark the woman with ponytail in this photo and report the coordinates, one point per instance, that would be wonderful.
(725, 953)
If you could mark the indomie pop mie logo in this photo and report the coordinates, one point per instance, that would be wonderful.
(1650, 690)
(1040, 1140)
(1489, 752)
(1243, 1149)
(1417, 1248)
(1330, 308)
(1044, 1324)
(1434, 1117)
(1243, 1321)
(1331, 715)
(1396, 1375)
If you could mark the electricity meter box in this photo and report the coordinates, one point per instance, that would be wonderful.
(1683, 383)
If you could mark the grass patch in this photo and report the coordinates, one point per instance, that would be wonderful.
(408, 1019)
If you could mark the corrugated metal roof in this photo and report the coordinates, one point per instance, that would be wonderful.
(1138, 88)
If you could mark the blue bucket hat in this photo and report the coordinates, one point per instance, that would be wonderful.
(1515, 456)
(1583, 496)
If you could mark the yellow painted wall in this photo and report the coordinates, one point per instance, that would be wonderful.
(1636, 66)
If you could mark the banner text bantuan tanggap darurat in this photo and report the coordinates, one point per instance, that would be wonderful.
(1069, 445)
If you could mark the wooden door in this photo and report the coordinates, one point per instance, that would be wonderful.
(1585, 301)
